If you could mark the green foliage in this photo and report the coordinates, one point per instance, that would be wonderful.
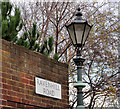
(47, 47)
(30, 38)
(22, 41)
(11, 22)
(56, 57)
(33, 37)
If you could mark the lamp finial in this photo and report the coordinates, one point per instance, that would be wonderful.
(78, 9)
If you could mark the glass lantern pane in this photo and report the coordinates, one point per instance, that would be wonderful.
(79, 28)
(71, 33)
(87, 29)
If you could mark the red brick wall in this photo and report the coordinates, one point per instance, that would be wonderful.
(20, 66)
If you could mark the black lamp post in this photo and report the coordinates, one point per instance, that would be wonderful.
(78, 31)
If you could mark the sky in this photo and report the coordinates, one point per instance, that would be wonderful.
(66, 0)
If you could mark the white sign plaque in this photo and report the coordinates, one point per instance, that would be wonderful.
(47, 88)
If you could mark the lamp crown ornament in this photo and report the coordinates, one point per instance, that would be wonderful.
(78, 13)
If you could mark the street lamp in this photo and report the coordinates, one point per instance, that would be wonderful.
(78, 31)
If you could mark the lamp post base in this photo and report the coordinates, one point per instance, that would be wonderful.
(80, 107)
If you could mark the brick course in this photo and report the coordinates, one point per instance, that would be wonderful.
(19, 67)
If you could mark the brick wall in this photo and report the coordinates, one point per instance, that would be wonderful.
(19, 68)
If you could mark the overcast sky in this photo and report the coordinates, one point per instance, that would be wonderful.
(67, 0)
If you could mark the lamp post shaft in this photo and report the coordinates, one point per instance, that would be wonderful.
(79, 73)
(79, 89)
(79, 85)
